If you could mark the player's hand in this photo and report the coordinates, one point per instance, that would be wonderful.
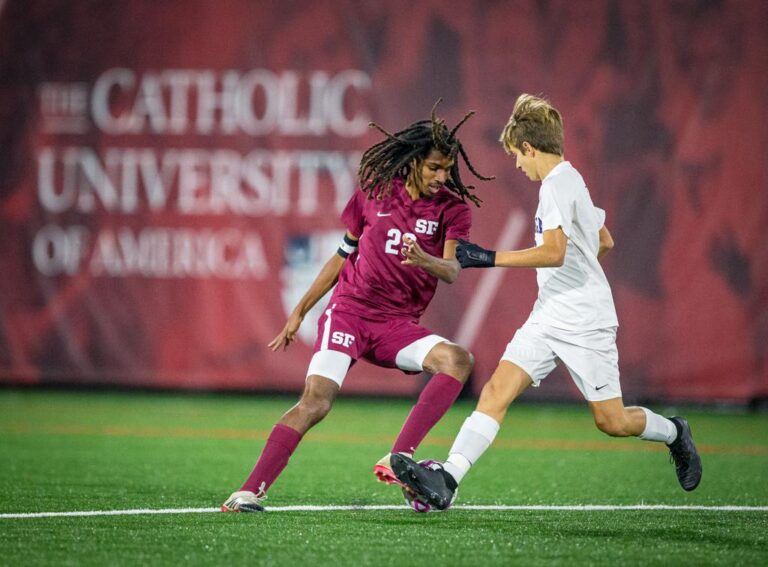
(413, 253)
(473, 256)
(288, 334)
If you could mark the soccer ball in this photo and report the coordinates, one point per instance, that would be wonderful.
(414, 500)
(416, 503)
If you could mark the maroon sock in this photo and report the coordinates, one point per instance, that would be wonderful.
(435, 399)
(279, 448)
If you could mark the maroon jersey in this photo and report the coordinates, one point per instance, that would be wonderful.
(373, 281)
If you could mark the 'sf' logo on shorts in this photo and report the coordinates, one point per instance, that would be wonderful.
(538, 225)
(343, 339)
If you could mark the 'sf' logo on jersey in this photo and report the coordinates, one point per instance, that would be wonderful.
(538, 225)
(424, 226)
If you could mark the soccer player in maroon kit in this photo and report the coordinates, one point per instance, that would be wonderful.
(403, 226)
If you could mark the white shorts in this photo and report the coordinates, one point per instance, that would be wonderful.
(590, 356)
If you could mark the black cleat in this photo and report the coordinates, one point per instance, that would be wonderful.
(682, 451)
(432, 483)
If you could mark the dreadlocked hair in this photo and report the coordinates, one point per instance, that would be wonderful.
(392, 157)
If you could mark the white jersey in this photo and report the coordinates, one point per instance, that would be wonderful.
(575, 296)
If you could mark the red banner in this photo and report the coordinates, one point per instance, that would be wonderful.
(172, 176)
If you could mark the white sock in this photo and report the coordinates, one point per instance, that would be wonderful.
(658, 428)
(476, 435)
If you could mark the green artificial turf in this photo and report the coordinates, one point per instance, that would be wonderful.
(71, 451)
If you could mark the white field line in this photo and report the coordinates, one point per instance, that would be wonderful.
(402, 507)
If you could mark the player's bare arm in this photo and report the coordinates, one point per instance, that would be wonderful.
(324, 281)
(606, 243)
(550, 254)
(446, 268)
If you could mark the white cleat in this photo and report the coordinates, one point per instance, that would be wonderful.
(383, 471)
(243, 501)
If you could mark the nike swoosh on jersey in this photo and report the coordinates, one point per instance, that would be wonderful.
(383, 214)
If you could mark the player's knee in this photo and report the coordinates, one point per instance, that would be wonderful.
(464, 363)
(457, 362)
(613, 425)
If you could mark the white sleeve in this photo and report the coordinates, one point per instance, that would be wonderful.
(600, 217)
(554, 214)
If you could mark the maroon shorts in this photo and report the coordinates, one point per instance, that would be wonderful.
(377, 341)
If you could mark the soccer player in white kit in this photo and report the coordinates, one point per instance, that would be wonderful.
(573, 319)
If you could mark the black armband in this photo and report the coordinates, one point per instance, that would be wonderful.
(348, 246)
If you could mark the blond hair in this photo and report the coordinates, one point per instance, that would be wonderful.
(536, 121)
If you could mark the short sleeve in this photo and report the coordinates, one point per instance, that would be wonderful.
(554, 214)
(600, 217)
(352, 215)
(458, 222)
